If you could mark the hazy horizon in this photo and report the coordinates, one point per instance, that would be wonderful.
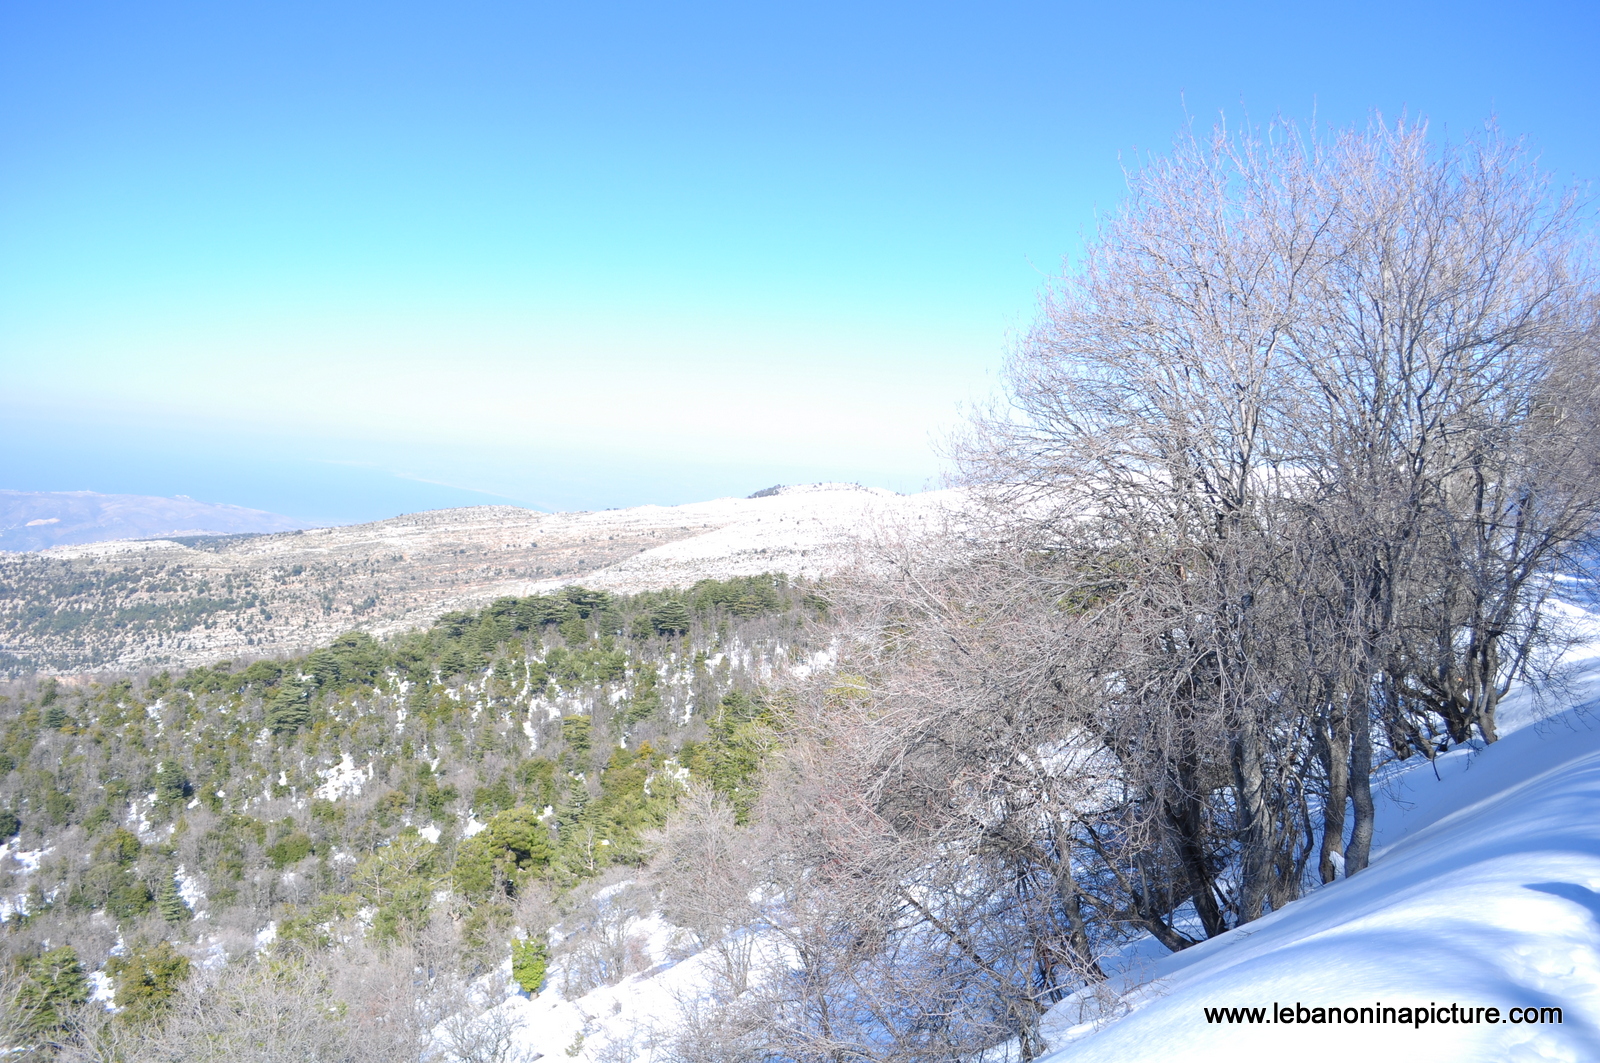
(341, 262)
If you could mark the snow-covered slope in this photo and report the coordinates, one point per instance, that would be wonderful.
(808, 530)
(247, 597)
(1484, 891)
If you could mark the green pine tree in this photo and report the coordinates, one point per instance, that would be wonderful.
(171, 785)
(290, 709)
(53, 984)
(529, 959)
(670, 617)
(146, 978)
(170, 903)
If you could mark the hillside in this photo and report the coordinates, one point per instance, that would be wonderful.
(1482, 893)
(38, 520)
(1485, 892)
(444, 794)
(193, 600)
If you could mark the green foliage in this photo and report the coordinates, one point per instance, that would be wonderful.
(10, 824)
(130, 899)
(530, 958)
(398, 879)
(730, 760)
(473, 708)
(671, 617)
(170, 903)
(537, 778)
(53, 984)
(353, 659)
(121, 847)
(260, 676)
(290, 709)
(171, 784)
(743, 596)
(514, 844)
(288, 850)
(146, 978)
(575, 630)
(575, 732)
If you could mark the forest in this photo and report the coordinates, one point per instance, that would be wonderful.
(454, 791)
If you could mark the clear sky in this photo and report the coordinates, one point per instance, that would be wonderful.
(342, 260)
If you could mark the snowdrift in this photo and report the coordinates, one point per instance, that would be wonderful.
(1484, 891)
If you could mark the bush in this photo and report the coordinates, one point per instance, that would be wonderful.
(289, 850)
(530, 957)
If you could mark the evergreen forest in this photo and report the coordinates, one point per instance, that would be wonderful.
(450, 792)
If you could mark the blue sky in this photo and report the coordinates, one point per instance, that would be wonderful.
(343, 260)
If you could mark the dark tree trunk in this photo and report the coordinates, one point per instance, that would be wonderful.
(1359, 851)
(1333, 749)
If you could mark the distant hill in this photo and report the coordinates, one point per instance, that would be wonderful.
(38, 520)
(182, 600)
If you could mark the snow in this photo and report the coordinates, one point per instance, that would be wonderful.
(27, 860)
(808, 530)
(101, 990)
(190, 887)
(641, 1010)
(341, 780)
(1483, 891)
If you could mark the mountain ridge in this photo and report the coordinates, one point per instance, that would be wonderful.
(132, 604)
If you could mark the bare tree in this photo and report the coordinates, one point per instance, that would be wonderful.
(489, 1037)
(1299, 384)
(601, 946)
(1292, 460)
(706, 872)
(266, 1012)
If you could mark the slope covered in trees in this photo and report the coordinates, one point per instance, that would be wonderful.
(440, 791)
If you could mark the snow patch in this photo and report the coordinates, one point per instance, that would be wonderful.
(189, 888)
(344, 779)
(101, 990)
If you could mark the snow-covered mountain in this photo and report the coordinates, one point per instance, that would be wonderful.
(160, 602)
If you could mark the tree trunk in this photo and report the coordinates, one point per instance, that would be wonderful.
(1256, 828)
(1359, 851)
(1333, 742)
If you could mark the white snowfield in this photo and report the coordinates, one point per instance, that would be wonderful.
(809, 530)
(1484, 891)
(631, 1020)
